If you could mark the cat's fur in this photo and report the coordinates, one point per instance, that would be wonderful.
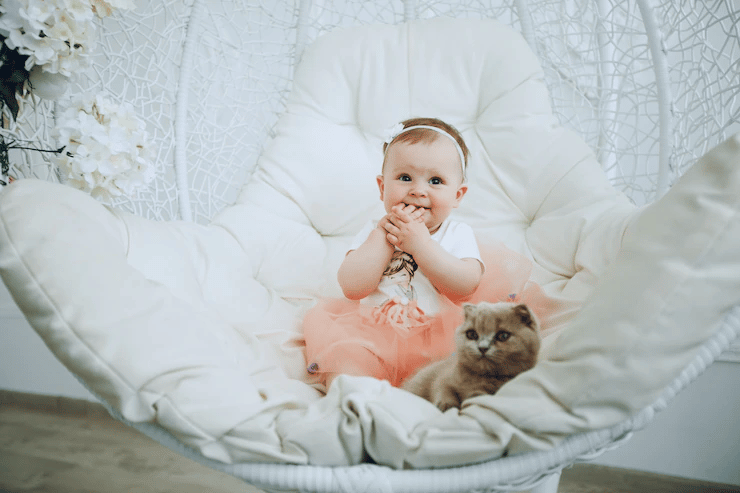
(485, 357)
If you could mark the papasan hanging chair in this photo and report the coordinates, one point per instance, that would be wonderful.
(602, 148)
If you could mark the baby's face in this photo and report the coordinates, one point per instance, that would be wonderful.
(425, 175)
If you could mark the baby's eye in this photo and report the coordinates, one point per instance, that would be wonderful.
(404, 178)
(503, 336)
(472, 335)
(436, 181)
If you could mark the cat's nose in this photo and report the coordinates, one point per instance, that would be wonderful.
(482, 349)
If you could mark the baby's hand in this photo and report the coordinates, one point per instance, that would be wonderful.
(411, 212)
(383, 224)
(406, 228)
(414, 213)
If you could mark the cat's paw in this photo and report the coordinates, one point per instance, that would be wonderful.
(446, 403)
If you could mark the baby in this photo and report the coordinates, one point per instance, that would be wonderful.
(404, 273)
(422, 181)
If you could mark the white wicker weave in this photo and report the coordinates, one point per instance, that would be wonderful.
(653, 82)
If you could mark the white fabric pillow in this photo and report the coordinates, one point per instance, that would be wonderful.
(198, 327)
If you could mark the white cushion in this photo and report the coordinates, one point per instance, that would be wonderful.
(198, 327)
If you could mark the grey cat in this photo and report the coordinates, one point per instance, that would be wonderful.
(495, 342)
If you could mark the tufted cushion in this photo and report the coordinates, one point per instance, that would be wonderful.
(533, 185)
(197, 327)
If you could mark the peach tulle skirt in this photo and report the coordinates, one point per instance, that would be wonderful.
(391, 342)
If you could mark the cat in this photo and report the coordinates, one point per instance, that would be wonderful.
(495, 342)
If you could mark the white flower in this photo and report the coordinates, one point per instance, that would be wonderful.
(56, 35)
(392, 132)
(47, 85)
(104, 8)
(107, 152)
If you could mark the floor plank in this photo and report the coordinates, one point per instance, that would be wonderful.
(46, 453)
(64, 447)
(593, 478)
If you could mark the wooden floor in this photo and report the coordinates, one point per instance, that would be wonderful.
(50, 445)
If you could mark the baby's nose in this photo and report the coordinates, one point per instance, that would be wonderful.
(419, 190)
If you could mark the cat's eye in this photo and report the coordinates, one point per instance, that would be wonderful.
(503, 336)
(472, 335)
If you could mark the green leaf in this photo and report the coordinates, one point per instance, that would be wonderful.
(13, 75)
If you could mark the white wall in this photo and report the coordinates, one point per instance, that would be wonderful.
(26, 364)
(698, 436)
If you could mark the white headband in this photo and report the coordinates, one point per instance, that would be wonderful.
(398, 129)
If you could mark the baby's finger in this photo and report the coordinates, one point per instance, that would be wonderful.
(397, 209)
(386, 220)
(404, 213)
(392, 229)
(410, 209)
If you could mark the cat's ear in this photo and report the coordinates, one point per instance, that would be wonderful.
(522, 311)
(470, 310)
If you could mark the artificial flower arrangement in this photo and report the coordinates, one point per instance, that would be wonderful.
(103, 147)
(106, 150)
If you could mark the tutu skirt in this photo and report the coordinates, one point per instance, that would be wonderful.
(393, 341)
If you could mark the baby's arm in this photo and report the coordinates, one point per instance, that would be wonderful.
(362, 269)
(454, 277)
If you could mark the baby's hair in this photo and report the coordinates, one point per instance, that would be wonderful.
(401, 261)
(426, 135)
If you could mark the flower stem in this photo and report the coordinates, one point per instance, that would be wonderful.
(5, 159)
